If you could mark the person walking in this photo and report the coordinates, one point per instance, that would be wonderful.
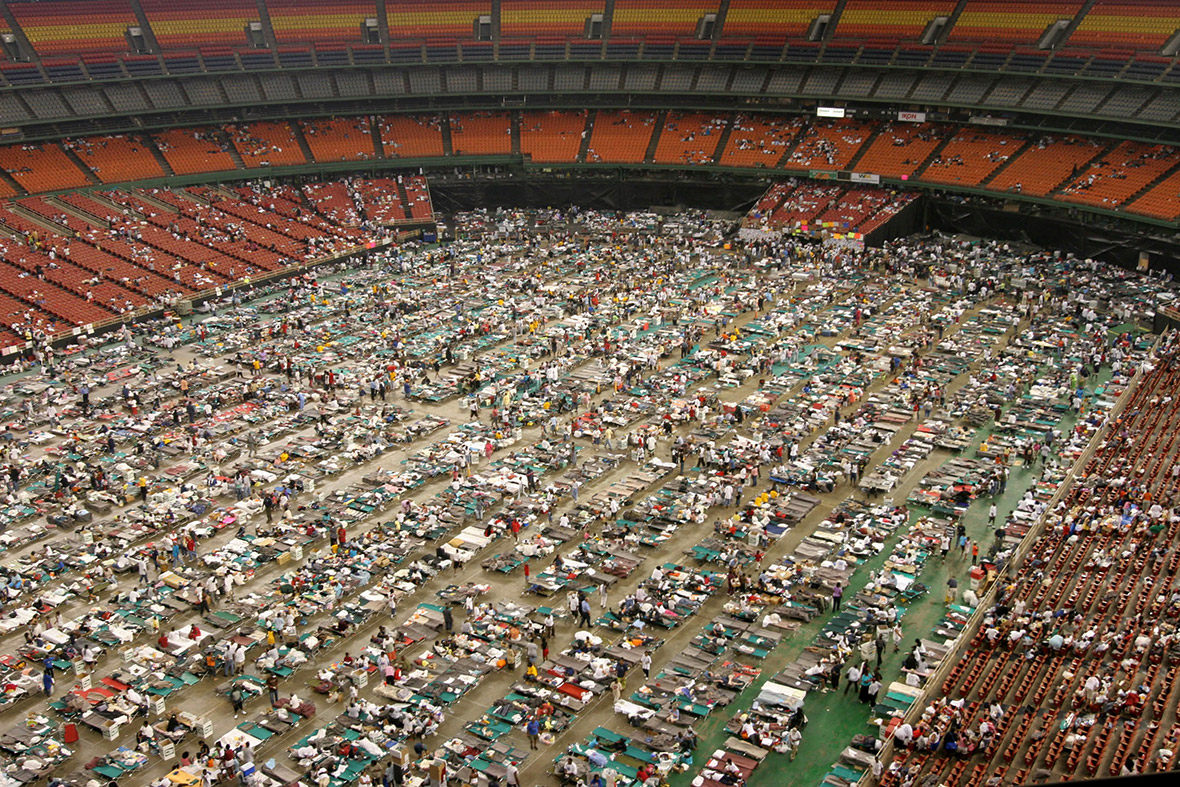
(645, 664)
(853, 676)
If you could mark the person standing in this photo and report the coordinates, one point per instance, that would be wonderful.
(645, 664)
(533, 729)
(837, 594)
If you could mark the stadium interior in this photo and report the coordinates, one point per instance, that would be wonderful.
(593, 392)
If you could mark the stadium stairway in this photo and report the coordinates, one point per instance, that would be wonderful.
(951, 21)
(934, 154)
(155, 151)
(786, 156)
(514, 132)
(1162, 177)
(404, 198)
(445, 127)
(375, 131)
(1070, 178)
(89, 173)
(302, 140)
(1027, 144)
(586, 134)
(657, 129)
(868, 143)
(12, 184)
(232, 150)
(723, 139)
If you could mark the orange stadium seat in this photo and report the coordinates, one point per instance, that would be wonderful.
(900, 149)
(890, 20)
(435, 19)
(481, 133)
(759, 141)
(316, 21)
(774, 19)
(192, 150)
(335, 139)
(1143, 24)
(59, 27)
(1116, 176)
(178, 26)
(411, 136)
(381, 199)
(266, 144)
(41, 166)
(620, 137)
(828, 145)
(528, 19)
(117, 157)
(1009, 21)
(552, 136)
(418, 196)
(970, 156)
(689, 138)
(1045, 165)
(1161, 201)
(660, 18)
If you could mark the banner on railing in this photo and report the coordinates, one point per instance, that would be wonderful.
(912, 117)
(864, 177)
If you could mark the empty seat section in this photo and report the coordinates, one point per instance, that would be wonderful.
(314, 20)
(192, 150)
(40, 166)
(411, 136)
(900, 149)
(620, 137)
(1117, 175)
(1143, 25)
(117, 157)
(892, 20)
(59, 27)
(445, 20)
(775, 20)
(266, 144)
(552, 136)
(1045, 165)
(970, 156)
(481, 133)
(418, 195)
(1009, 21)
(663, 19)
(689, 138)
(828, 145)
(1161, 201)
(347, 139)
(759, 141)
(221, 22)
(528, 18)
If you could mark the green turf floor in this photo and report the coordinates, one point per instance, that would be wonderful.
(834, 718)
